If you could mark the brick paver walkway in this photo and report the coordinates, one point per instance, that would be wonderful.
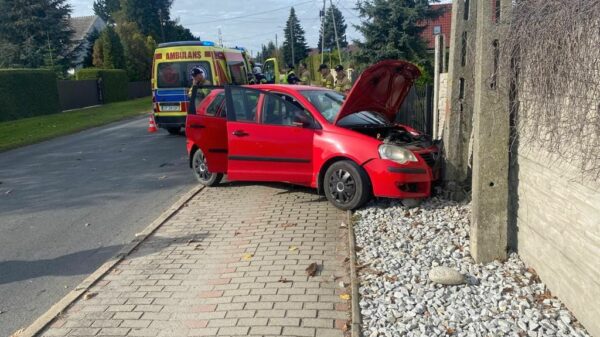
(232, 262)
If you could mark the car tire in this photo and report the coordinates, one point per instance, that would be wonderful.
(347, 185)
(200, 169)
(174, 131)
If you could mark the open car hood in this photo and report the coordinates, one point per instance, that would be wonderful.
(381, 88)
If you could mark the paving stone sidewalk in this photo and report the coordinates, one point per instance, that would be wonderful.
(231, 262)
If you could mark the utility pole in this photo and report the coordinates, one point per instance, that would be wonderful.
(337, 41)
(220, 38)
(162, 28)
(50, 50)
(292, 41)
(276, 49)
(323, 32)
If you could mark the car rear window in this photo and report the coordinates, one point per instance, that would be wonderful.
(177, 74)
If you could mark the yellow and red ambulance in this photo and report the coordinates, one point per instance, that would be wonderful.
(171, 78)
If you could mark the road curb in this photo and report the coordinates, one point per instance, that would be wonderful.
(356, 317)
(43, 321)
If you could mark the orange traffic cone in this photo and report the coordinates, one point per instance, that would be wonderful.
(152, 125)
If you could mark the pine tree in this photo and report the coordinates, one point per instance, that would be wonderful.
(151, 16)
(391, 30)
(36, 32)
(333, 14)
(106, 9)
(91, 39)
(108, 50)
(294, 36)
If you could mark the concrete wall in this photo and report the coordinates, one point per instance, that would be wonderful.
(558, 230)
(442, 104)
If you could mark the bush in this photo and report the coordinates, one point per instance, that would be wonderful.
(27, 93)
(114, 82)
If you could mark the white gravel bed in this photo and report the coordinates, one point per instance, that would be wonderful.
(396, 249)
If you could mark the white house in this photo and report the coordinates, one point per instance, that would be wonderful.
(83, 26)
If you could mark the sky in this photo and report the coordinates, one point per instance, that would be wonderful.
(248, 23)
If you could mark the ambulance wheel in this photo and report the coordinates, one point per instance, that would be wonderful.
(347, 185)
(174, 131)
(200, 168)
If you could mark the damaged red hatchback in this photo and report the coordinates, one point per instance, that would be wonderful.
(346, 147)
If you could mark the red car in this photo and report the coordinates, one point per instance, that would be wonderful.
(347, 147)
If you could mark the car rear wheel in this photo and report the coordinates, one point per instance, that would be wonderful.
(200, 168)
(174, 131)
(347, 185)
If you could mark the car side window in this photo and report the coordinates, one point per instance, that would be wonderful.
(283, 110)
(216, 106)
(245, 103)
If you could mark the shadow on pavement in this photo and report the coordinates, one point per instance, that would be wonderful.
(86, 261)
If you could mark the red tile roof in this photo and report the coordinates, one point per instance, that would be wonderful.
(445, 23)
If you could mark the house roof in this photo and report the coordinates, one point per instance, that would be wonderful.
(82, 26)
(444, 21)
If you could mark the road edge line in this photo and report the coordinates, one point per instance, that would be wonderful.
(45, 319)
(356, 329)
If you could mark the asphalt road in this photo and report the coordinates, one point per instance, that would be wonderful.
(67, 205)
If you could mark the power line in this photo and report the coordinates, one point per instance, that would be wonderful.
(251, 14)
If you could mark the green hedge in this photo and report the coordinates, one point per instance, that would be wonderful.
(27, 93)
(114, 82)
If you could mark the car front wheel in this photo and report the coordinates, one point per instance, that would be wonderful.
(200, 168)
(347, 185)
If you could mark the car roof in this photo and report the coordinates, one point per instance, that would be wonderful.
(286, 87)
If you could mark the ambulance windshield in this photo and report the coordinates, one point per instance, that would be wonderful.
(177, 74)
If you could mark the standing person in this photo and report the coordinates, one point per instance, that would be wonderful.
(342, 83)
(291, 75)
(304, 74)
(196, 93)
(327, 80)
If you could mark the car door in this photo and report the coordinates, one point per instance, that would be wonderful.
(207, 129)
(270, 139)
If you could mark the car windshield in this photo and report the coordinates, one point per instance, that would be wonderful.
(328, 102)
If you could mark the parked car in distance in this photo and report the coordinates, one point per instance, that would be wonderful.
(348, 148)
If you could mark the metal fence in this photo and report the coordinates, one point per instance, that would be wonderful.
(78, 94)
(417, 109)
(85, 93)
(138, 89)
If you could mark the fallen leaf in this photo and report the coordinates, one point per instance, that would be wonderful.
(346, 327)
(162, 177)
(450, 331)
(283, 280)
(346, 260)
(343, 225)
(357, 248)
(407, 214)
(8, 192)
(236, 233)
(89, 296)
(139, 234)
(342, 284)
(345, 297)
(293, 248)
(311, 270)
(247, 257)
(192, 240)
(288, 225)
(1, 312)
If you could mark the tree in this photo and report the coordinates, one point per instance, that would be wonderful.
(267, 52)
(176, 32)
(151, 16)
(106, 9)
(333, 14)
(139, 50)
(37, 33)
(391, 30)
(108, 50)
(294, 38)
(91, 39)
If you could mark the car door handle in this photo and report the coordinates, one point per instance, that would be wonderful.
(239, 133)
(197, 126)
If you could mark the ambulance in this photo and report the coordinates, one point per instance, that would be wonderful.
(171, 79)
